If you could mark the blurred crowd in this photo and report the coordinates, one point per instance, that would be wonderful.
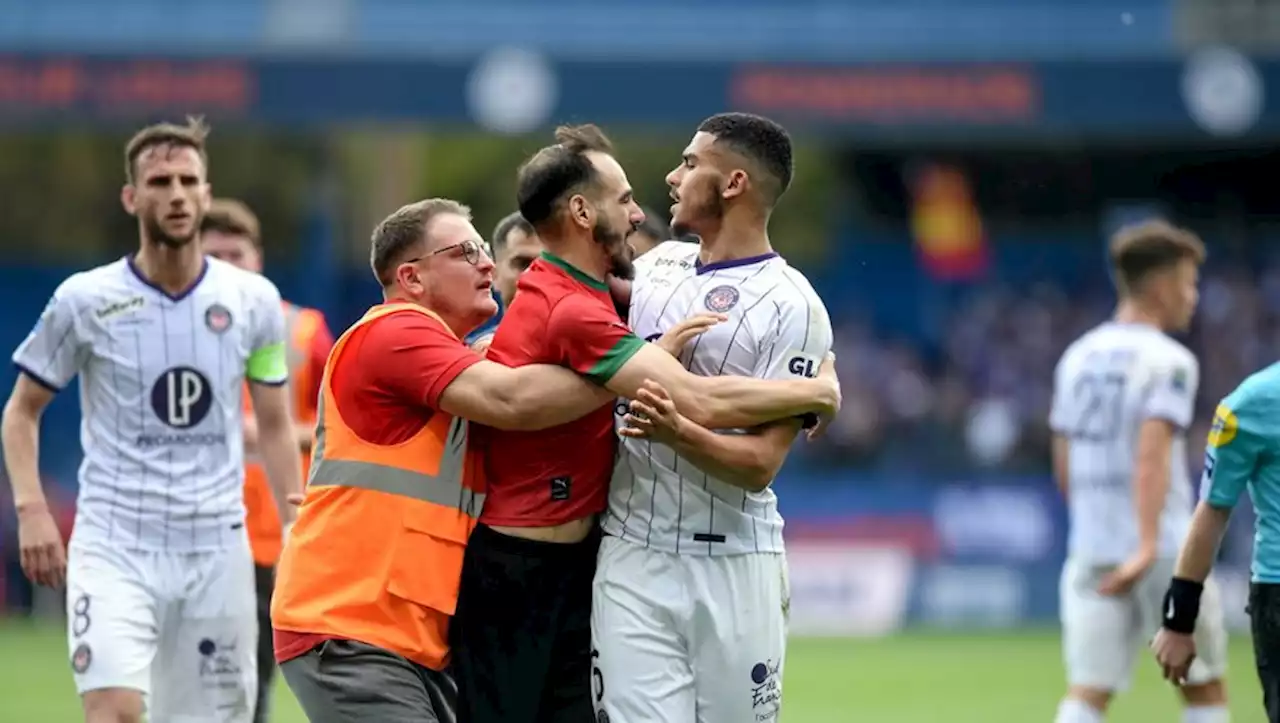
(977, 401)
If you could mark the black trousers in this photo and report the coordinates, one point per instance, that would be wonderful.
(521, 636)
(1264, 616)
(345, 681)
(264, 581)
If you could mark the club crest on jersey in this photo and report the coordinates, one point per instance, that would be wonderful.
(217, 318)
(721, 299)
(81, 658)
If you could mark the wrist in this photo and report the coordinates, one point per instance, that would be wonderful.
(33, 506)
(823, 395)
(1182, 605)
(684, 432)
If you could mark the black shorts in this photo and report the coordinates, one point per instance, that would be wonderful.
(521, 636)
(265, 580)
(1264, 616)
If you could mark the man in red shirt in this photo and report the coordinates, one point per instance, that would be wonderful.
(388, 377)
(522, 635)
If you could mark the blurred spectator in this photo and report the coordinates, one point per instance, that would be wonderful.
(979, 402)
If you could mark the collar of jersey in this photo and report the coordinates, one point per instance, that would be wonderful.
(732, 263)
(579, 275)
(131, 262)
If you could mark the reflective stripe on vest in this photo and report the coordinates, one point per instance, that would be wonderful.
(444, 485)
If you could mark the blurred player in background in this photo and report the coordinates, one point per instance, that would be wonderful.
(647, 235)
(522, 631)
(160, 604)
(690, 614)
(515, 246)
(1124, 395)
(231, 232)
(1242, 453)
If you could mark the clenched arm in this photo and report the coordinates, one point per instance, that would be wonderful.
(531, 397)
(750, 460)
(727, 401)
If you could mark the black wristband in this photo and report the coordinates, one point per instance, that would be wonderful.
(1182, 605)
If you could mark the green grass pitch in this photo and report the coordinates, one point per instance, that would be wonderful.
(915, 677)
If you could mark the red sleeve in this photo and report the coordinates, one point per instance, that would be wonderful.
(589, 337)
(413, 356)
(317, 357)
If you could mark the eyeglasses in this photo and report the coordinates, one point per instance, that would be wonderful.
(471, 251)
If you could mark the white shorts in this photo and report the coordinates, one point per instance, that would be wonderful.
(1103, 636)
(687, 638)
(181, 628)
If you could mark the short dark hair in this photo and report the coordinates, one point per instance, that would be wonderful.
(192, 135)
(229, 216)
(404, 230)
(761, 141)
(1141, 249)
(509, 223)
(558, 171)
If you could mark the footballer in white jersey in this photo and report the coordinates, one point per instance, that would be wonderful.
(161, 612)
(778, 328)
(1123, 397)
(690, 598)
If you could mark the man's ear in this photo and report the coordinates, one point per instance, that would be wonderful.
(581, 212)
(127, 199)
(735, 184)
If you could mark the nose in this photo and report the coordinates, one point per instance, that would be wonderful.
(673, 178)
(637, 215)
(484, 263)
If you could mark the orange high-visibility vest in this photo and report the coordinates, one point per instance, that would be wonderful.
(262, 517)
(376, 553)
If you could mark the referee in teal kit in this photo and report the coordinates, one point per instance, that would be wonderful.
(1243, 452)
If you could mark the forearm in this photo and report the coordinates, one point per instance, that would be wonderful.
(734, 458)
(732, 402)
(540, 396)
(1150, 493)
(1061, 472)
(278, 450)
(21, 441)
(1208, 525)
(303, 434)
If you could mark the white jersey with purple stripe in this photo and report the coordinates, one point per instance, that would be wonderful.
(778, 328)
(161, 384)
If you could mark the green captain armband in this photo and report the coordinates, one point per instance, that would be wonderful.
(268, 365)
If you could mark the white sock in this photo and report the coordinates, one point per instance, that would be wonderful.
(1206, 714)
(1071, 710)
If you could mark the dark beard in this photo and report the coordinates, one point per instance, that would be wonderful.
(615, 242)
(159, 236)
